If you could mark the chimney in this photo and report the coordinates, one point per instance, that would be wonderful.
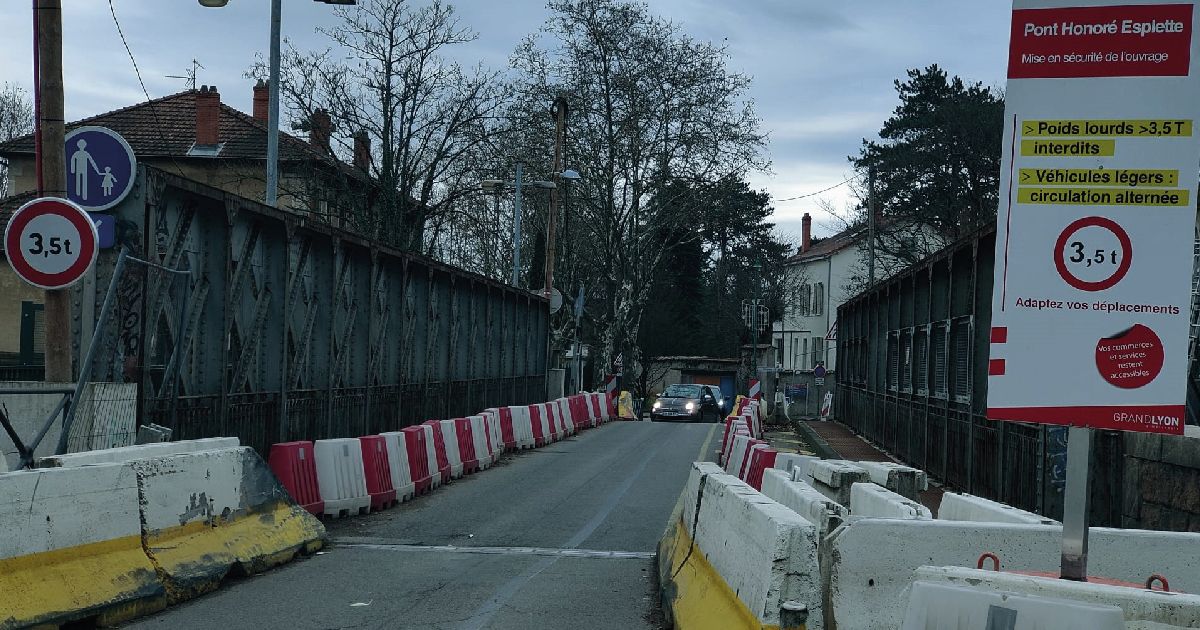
(806, 240)
(262, 101)
(319, 130)
(208, 116)
(362, 151)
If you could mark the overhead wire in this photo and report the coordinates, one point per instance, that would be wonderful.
(149, 101)
(813, 194)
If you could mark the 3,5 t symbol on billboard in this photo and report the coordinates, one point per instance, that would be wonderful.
(1093, 254)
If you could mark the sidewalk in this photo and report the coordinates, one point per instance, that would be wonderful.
(833, 440)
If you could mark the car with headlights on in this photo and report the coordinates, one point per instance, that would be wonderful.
(689, 403)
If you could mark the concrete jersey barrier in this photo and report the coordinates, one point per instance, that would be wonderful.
(72, 547)
(866, 564)
(208, 513)
(870, 500)
(735, 557)
(140, 451)
(904, 480)
(804, 500)
(967, 507)
(1146, 608)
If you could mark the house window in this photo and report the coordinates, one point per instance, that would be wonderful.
(805, 300)
(795, 353)
(818, 351)
(818, 306)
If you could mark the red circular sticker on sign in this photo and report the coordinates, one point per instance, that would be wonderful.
(50, 243)
(1093, 254)
(1130, 359)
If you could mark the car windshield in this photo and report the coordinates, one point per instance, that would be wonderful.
(682, 391)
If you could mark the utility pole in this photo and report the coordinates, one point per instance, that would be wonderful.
(51, 165)
(870, 226)
(516, 282)
(559, 111)
(754, 323)
(272, 195)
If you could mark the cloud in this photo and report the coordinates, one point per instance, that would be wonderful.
(823, 71)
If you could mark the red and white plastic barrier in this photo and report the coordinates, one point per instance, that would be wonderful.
(434, 457)
(378, 472)
(341, 477)
(295, 465)
(397, 451)
(418, 458)
(761, 460)
(465, 435)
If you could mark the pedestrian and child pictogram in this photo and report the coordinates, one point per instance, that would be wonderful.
(101, 168)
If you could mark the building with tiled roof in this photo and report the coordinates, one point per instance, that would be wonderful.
(193, 134)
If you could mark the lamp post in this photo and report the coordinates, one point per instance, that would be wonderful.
(497, 186)
(272, 195)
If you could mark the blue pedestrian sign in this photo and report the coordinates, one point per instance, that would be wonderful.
(100, 168)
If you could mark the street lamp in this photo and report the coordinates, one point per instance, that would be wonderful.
(273, 103)
(497, 186)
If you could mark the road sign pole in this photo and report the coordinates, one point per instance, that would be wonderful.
(1075, 506)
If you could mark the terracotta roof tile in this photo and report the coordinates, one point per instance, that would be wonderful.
(166, 127)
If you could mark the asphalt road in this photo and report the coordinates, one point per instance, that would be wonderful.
(558, 537)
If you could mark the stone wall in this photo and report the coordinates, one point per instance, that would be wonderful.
(1162, 481)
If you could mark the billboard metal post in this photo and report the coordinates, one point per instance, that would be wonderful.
(1075, 507)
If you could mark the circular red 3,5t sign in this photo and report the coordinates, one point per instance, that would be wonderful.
(50, 243)
(1093, 253)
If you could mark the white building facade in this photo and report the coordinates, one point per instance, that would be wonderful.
(818, 277)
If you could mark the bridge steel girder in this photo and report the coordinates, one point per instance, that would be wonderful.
(294, 329)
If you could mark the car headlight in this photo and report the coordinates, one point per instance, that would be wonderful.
(690, 406)
(657, 404)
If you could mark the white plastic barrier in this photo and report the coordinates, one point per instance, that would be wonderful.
(737, 454)
(867, 563)
(435, 473)
(398, 461)
(479, 435)
(834, 478)
(804, 500)
(944, 607)
(738, 427)
(1145, 608)
(522, 427)
(340, 476)
(141, 451)
(898, 478)
(497, 438)
(788, 462)
(870, 500)
(450, 438)
(967, 507)
(766, 553)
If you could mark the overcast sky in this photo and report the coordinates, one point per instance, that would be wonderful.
(823, 69)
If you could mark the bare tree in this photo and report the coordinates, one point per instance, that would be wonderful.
(16, 119)
(429, 120)
(650, 108)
